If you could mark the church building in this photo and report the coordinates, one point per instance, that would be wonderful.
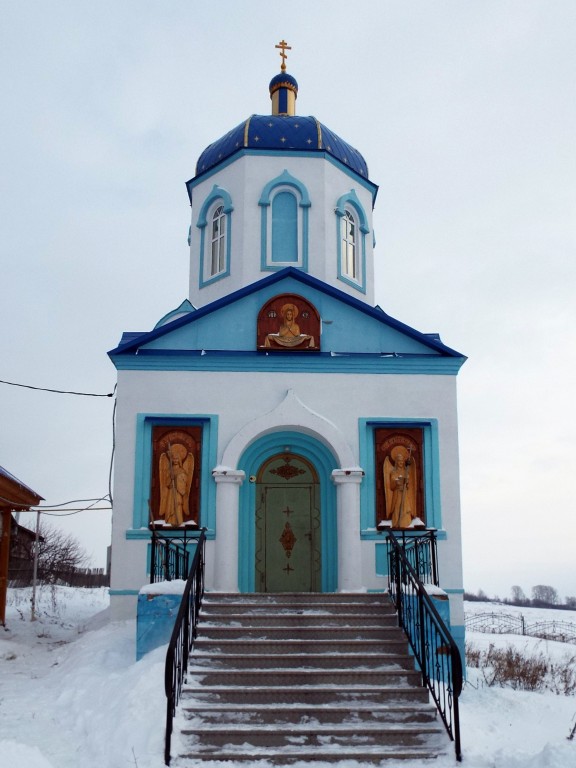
(277, 407)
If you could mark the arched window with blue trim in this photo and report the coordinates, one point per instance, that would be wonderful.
(284, 228)
(215, 225)
(218, 250)
(352, 228)
(284, 205)
(349, 250)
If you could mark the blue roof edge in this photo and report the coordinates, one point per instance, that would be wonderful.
(247, 151)
(137, 340)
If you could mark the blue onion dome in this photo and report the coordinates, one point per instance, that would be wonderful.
(282, 130)
(283, 80)
(284, 133)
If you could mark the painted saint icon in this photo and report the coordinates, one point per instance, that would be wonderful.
(289, 332)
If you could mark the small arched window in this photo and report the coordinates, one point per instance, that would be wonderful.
(351, 231)
(218, 255)
(284, 228)
(349, 246)
(215, 225)
(284, 205)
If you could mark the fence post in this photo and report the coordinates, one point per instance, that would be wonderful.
(435, 579)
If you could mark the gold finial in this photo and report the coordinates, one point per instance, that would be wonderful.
(284, 47)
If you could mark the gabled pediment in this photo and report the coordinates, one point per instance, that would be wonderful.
(345, 326)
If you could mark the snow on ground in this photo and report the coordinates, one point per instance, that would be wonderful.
(72, 696)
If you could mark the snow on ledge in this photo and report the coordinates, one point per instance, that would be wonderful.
(434, 591)
(174, 587)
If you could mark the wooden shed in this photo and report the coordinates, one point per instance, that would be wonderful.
(15, 496)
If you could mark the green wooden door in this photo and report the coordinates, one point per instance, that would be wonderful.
(288, 557)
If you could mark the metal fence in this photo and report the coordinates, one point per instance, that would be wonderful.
(516, 624)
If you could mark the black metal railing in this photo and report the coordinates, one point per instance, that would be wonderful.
(182, 639)
(169, 556)
(432, 644)
(422, 553)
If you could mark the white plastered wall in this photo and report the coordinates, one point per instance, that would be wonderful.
(334, 404)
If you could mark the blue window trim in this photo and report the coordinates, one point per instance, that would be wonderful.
(351, 202)
(431, 458)
(216, 195)
(324, 462)
(284, 180)
(143, 466)
(284, 232)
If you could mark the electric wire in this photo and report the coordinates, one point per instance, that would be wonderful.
(113, 447)
(57, 391)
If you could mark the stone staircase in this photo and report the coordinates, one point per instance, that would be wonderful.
(303, 677)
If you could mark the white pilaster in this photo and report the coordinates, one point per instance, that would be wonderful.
(228, 482)
(347, 483)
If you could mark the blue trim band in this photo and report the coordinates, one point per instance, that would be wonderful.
(296, 362)
(145, 534)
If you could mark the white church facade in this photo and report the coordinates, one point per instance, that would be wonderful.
(277, 407)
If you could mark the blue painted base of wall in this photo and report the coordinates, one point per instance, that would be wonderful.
(155, 621)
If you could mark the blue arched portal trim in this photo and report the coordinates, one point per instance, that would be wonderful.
(324, 462)
(284, 180)
(431, 472)
(351, 202)
(217, 193)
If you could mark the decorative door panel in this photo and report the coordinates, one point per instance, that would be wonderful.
(288, 557)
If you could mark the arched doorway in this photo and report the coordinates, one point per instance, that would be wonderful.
(288, 525)
(319, 463)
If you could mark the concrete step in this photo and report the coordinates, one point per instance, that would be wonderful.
(376, 608)
(294, 677)
(222, 632)
(312, 678)
(302, 619)
(314, 758)
(280, 714)
(296, 598)
(318, 696)
(272, 736)
(295, 661)
(392, 644)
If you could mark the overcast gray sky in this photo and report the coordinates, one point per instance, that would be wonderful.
(465, 111)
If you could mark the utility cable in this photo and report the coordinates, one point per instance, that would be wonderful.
(57, 391)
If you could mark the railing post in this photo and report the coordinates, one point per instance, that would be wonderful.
(153, 557)
(166, 555)
(434, 556)
(423, 659)
(398, 578)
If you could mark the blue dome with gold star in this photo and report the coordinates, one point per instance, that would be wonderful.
(284, 133)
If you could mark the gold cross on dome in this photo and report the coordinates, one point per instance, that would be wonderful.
(283, 45)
